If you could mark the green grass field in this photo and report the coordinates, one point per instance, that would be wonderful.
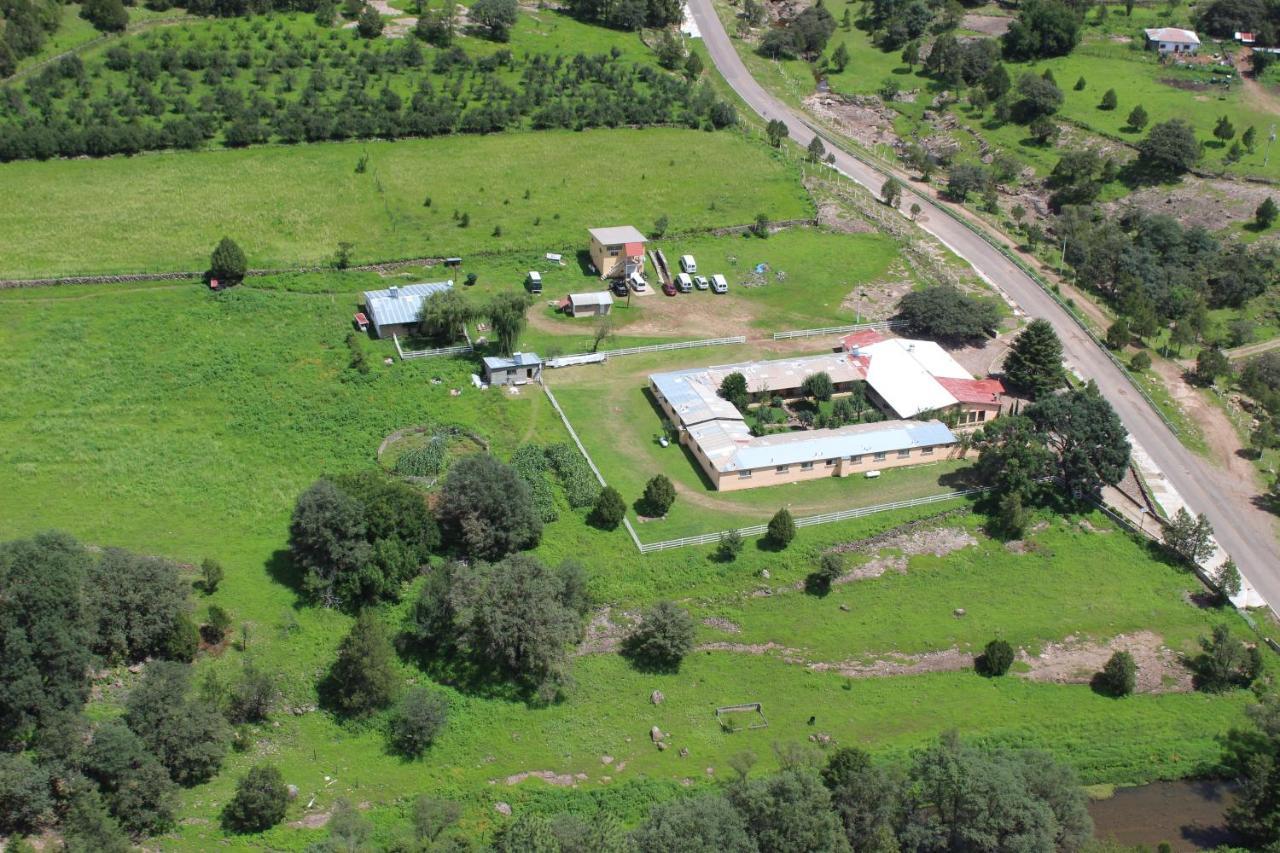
(172, 421)
(291, 206)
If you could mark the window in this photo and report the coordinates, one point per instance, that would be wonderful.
(879, 457)
(855, 460)
(613, 251)
(926, 451)
(904, 453)
(831, 463)
(806, 466)
(744, 475)
(982, 415)
(781, 469)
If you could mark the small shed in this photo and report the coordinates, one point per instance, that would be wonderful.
(594, 304)
(520, 369)
(1172, 40)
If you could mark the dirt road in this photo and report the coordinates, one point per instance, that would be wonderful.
(1244, 530)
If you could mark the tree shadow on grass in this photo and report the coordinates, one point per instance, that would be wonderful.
(444, 665)
(284, 571)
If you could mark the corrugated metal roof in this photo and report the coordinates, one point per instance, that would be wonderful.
(405, 306)
(519, 359)
(1173, 34)
(859, 440)
(599, 297)
(693, 397)
(617, 235)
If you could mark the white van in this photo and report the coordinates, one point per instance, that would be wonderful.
(684, 283)
(688, 264)
(718, 284)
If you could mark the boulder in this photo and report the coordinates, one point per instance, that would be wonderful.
(655, 734)
(293, 792)
(502, 809)
(656, 697)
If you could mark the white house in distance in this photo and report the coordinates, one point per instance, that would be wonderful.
(397, 310)
(1172, 40)
(595, 304)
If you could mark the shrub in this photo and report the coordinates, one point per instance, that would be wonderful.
(417, 720)
(830, 568)
(730, 546)
(363, 679)
(662, 639)
(252, 695)
(996, 658)
(1119, 676)
(228, 264)
(1141, 361)
(188, 735)
(782, 529)
(530, 463)
(259, 802)
(659, 495)
(1226, 662)
(576, 478)
(210, 575)
(609, 509)
(425, 461)
(215, 630)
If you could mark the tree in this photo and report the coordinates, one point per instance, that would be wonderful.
(215, 629)
(1169, 149)
(24, 795)
(782, 529)
(779, 44)
(1012, 457)
(944, 313)
(730, 546)
(44, 637)
(915, 211)
(1042, 29)
(734, 389)
(789, 813)
(659, 495)
(444, 316)
(1224, 129)
(1141, 361)
(663, 637)
(911, 54)
(189, 737)
(1118, 334)
(349, 831)
(417, 721)
(89, 828)
(840, 57)
(363, 678)
(831, 566)
(496, 16)
(1265, 216)
(1211, 363)
(227, 264)
(693, 66)
(431, 817)
(506, 313)
(1080, 84)
(1191, 539)
(1119, 676)
(1225, 663)
(135, 786)
(864, 797)
(1109, 100)
(259, 802)
(996, 658)
(1137, 118)
(1034, 362)
(891, 191)
(776, 131)
(609, 509)
(328, 541)
(1228, 581)
(369, 23)
(1037, 97)
(1043, 130)
(1250, 135)
(210, 575)
(966, 178)
(1091, 444)
(701, 824)
(135, 603)
(818, 386)
(817, 151)
(107, 16)
(251, 695)
(486, 509)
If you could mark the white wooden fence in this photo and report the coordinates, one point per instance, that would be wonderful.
(462, 349)
(585, 357)
(838, 330)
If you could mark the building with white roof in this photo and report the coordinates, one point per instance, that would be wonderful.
(520, 369)
(398, 309)
(1172, 40)
(617, 252)
(594, 304)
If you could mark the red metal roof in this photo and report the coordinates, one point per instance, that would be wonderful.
(973, 390)
(633, 249)
(361, 319)
(865, 338)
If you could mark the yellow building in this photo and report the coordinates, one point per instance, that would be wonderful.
(617, 252)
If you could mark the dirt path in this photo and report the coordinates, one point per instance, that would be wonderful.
(1256, 95)
(1252, 349)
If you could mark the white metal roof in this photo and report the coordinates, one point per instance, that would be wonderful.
(1173, 34)
(405, 306)
(903, 373)
(519, 359)
(596, 297)
(616, 235)
(694, 396)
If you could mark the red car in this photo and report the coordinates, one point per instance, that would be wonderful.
(669, 289)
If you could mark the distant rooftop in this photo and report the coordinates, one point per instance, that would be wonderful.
(617, 235)
(1172, 34)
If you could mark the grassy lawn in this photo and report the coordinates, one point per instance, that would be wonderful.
(291, 206)
(168, 420)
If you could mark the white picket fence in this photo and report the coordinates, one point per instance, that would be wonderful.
(838, 330)
(463, 349)
(811, 520)
(569, 360)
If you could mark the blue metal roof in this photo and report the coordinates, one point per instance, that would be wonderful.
(405, 306)
(519, 359)
(859, 440)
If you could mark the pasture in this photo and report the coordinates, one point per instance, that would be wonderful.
(173, 421)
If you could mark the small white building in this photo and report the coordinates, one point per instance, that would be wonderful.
(594, 304)
(1172, 40)
(521, 368)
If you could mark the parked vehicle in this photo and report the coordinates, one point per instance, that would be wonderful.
(684, 283)
(534, 281)
(718, 284)
(700, 282)
(619, 287)
(668, 288)
(688, 264)
(637, 283)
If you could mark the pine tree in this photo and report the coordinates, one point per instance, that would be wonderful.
(609, 509)
(782, 528)
(1138, 117)
(1265, 215)
(1109, 100)
(1034, 363)
(363, 678)
(1224, 129)
(228, 264)
(840, 57)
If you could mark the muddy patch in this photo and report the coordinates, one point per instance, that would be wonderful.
(1074, 662)
(603, 635)
(878, 300)
(950, 660)
(938, 541)
(787, 654)
(832, 215)
(1210, 204)
(988, 25)
(561, 780)
(722, 625)
(311, 821)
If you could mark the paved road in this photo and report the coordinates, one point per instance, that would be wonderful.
(1246, 532)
